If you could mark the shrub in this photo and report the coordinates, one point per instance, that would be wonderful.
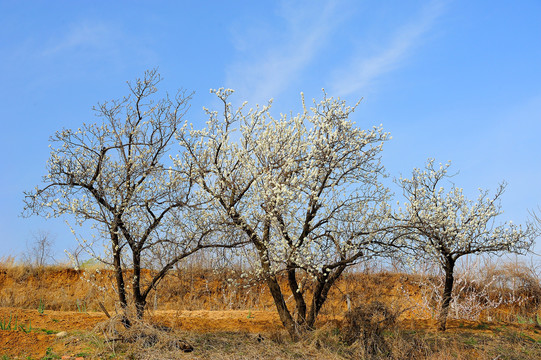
(366, 323)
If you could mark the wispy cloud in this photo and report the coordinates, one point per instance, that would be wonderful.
(97, 41)
(362, 71)
(265, 72)
(83, 35)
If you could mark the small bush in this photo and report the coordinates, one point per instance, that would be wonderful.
(143, 337)
(366, 324)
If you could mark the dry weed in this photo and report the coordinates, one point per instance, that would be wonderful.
(366, 324)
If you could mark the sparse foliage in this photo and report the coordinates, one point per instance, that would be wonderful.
(445, 226)
(39, 251)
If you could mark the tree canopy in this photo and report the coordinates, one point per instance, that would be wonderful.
(305, 190)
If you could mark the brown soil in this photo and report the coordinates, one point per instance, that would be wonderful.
(202, 303)
(37, 342)
(43, 328)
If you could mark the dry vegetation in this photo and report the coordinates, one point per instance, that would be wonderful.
(223, 315)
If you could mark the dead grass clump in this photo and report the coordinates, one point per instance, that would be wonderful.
(405, 345)
(366, 324)
(428, 345)
(142, 340)
(146, 336)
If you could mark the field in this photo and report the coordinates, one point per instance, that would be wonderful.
(55, 313)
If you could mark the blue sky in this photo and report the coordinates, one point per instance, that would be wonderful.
(454, 80)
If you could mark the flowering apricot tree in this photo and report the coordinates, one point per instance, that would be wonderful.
(443, 226)
(114, 176)
(304, 190)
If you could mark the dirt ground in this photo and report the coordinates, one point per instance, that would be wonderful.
(44, 327)
(206, 304)
(43, 339)
(42, 330)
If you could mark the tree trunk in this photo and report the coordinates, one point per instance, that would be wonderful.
(138, 298)
(281, 307)
(119, 276)
(447, 294)
(299, 299)
(324, 284)
(270, 278)
(140, 303)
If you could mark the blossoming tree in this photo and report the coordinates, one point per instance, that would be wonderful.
(443, 226)
(115, 176)
(304, 190)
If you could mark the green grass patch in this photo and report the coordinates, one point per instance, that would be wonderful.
(41, 307)
(12, 324)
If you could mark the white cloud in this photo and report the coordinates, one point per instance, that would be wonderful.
(97, 36)
(362, 71)
(273, 58)
(91, 41)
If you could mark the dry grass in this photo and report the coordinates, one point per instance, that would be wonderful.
(145, 341)
(508, 292)
(379, 303)
(56, 287)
